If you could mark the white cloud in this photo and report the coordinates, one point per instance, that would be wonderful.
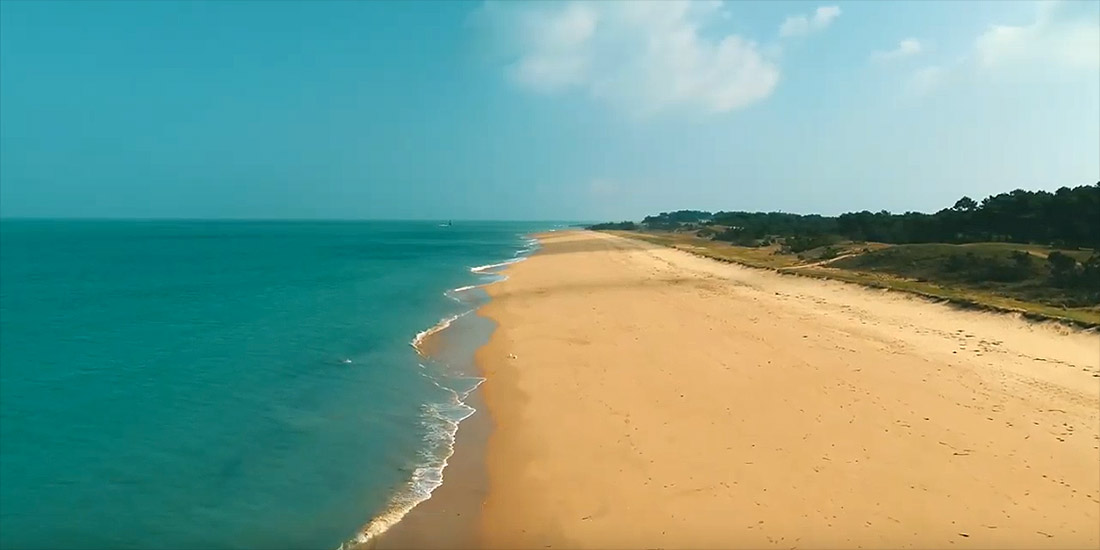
(641, 56)
(1069, 43)
(1056, 38)
(907, 47)
(561, 41)
(798, 25)
(925, 80)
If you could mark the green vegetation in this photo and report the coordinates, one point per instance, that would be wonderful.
(673, 220)
(627, 226)
(1067, 218)
(1030, 252)
(1056, 279)
(803, 243)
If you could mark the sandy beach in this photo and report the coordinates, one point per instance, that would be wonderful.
(642, 397)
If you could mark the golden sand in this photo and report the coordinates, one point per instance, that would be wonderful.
(643, 397)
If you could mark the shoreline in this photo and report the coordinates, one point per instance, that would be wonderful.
(646, 397)
(447, 519)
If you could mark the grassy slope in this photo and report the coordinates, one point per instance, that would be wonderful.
(1036, 249)
(915, 269)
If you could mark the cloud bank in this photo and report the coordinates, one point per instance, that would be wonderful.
(799, 25)
(642, 56)
(925, 80)
(1056, 39)
(1069, 43)
(906, 48)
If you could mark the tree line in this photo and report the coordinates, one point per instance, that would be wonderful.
(621, 226)
(1068, 217)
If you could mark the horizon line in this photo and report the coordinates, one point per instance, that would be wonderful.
(229, 219)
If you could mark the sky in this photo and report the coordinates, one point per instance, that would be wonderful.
(538, 110)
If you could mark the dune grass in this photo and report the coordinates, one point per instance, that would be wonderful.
(916, 269)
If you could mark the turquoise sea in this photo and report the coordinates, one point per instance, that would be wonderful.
(188, 384)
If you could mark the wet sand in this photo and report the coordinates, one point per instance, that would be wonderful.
(448, 520)
(642, 397)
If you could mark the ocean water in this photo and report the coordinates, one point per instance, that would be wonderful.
(228, 384)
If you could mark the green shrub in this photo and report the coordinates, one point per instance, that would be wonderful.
(625, 226)
(807, 242)
(1063, 269)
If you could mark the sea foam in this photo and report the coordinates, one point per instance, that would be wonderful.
(485, 268)
(442, 324)
(440, 419)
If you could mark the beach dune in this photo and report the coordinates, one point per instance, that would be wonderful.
(643, 397)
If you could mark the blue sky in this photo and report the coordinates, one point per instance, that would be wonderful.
(525, 110)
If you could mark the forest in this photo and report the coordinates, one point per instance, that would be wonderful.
(1068, 217)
